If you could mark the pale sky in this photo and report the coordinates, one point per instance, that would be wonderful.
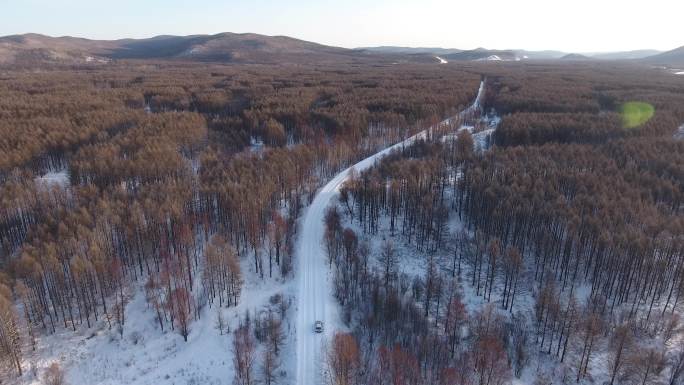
(568, 25)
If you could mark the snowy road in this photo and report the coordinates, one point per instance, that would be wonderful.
(314, 296)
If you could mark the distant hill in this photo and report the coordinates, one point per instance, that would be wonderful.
(223, 47)
(30, 48)
(575, 56)
(626, 55)
(483, 54)
(475, 54)
(669, 58)
(412, 50)
(227, 47)
(540, 55)
(514, 54)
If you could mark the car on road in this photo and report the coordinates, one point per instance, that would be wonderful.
(318, 326)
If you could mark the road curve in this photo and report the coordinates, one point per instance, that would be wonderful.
(314, 292)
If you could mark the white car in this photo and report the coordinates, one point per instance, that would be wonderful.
(318, 326)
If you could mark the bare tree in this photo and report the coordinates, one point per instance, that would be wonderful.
(519, 339)
(275, 335)
(620, 344)
(244, 348)
(269, 366)
(9, 330)
(388, 263)
(181, 305)
(648, 363)
(676, 376)
(591, 327)
(344, 360)
(456, 317)
(54, 375)
(491, 363)
(220, 322)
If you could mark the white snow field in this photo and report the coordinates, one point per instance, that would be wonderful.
(315, 301)
(51, 178)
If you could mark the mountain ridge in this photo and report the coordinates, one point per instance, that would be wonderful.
(33, 48)
(481, 53)
(673, 57)
(221, 47)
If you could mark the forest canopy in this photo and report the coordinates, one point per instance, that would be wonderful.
(559, 248)
(178, 175)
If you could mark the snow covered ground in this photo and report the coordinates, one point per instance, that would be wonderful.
(52, 178)
(146, 355)
(315, 301)
(542, 367)
(441, 60)
(680, 133)
(412, 263)
(482, 139)
(256, 145)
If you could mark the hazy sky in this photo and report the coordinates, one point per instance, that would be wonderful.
(569, 25)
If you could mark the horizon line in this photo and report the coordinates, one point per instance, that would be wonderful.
(425, 46)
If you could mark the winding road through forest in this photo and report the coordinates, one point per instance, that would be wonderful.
(314, 292)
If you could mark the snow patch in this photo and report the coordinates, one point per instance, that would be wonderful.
(499, 58)
(482, 137)
(441, 61)
(192, 51)
(53, 178)
(483, 140)
(256, 145)
(491, 58)
(680, 133)
(91, 59)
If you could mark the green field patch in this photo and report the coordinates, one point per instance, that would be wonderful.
(634, 114)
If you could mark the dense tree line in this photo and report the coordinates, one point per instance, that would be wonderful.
(409, 331)
(539, 128)
(570, 207)
(549, 103)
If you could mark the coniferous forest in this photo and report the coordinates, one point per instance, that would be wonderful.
(169, 176)
(552, 254)
(536, 239)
